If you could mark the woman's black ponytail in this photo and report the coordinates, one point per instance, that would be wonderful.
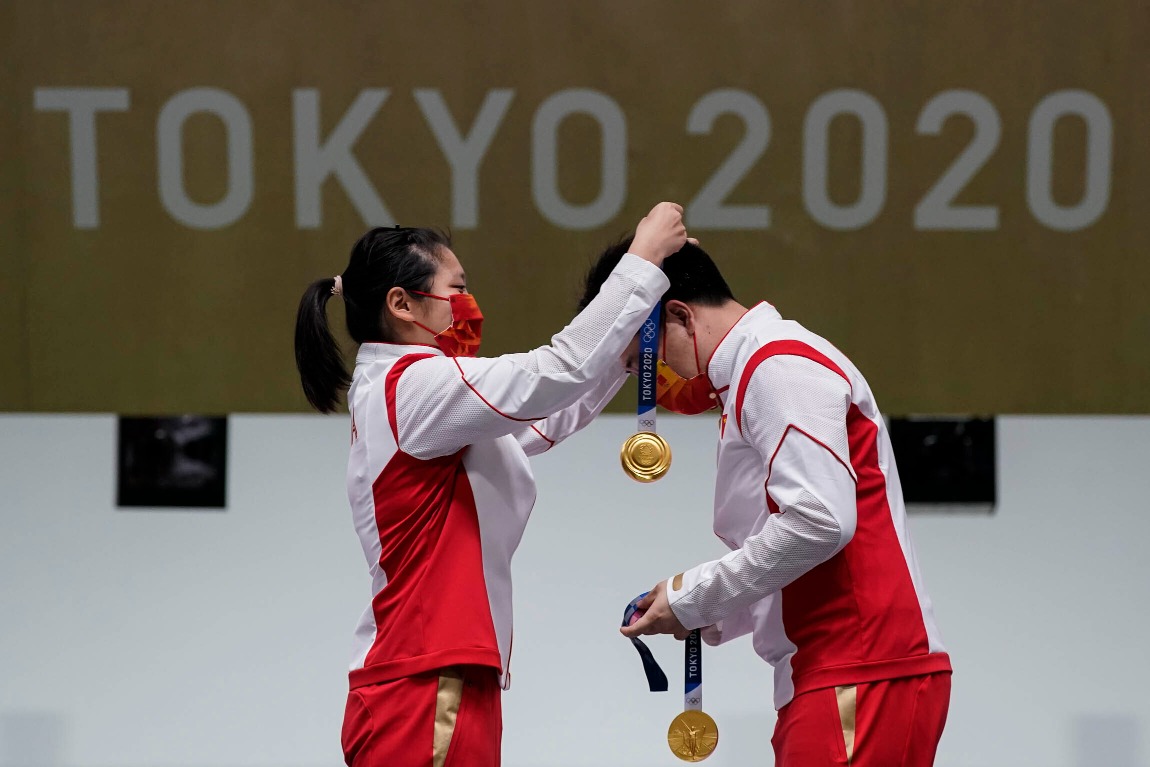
(317, 354)
(382, 259)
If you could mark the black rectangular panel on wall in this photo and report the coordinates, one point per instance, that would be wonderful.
(946, 462)
(172, 462)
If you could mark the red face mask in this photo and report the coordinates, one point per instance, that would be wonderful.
(460, 338)
(685, 396)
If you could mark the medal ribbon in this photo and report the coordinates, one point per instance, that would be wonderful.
(656, 679)
(648, 357)
(693, 672)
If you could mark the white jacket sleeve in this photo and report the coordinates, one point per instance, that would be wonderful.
(543, 435)
(794, 413)
(735, 625)
(443, 404)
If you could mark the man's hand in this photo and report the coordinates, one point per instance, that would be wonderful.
(660, 233)
(657, 617)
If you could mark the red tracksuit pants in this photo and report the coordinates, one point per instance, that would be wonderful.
(892, 723)
(445, 718)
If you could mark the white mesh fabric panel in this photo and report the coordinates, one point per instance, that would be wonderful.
(787, 390)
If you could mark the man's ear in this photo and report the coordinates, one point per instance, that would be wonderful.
(679, 313)
(398, 304)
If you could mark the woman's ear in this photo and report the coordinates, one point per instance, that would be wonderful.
(398, 305)
(679, 313)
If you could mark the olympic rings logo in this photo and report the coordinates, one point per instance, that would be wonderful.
(649, 330)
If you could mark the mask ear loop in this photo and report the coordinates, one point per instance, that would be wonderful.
(663, 348)
(437, 298)
(698, 367)
(695, 342)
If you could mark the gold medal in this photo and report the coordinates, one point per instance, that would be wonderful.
(645, 456)
(693, 736)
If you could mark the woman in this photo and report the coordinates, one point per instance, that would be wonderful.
(438, 477)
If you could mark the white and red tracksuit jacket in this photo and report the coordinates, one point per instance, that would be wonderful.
(807, 496)
(440, 485)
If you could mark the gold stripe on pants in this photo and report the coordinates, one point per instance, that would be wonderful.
(447, 700)
(847, 701)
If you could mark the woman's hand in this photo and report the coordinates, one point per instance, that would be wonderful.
(661, 233)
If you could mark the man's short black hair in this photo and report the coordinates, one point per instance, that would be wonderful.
(694, 277)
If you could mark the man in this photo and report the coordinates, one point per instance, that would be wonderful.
(822, 571)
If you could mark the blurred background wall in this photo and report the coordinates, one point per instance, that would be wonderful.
(185, 639)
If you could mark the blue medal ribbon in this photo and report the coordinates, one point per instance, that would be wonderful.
(648, 358)
(692, 663)
(656, 679)
(693, 673)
